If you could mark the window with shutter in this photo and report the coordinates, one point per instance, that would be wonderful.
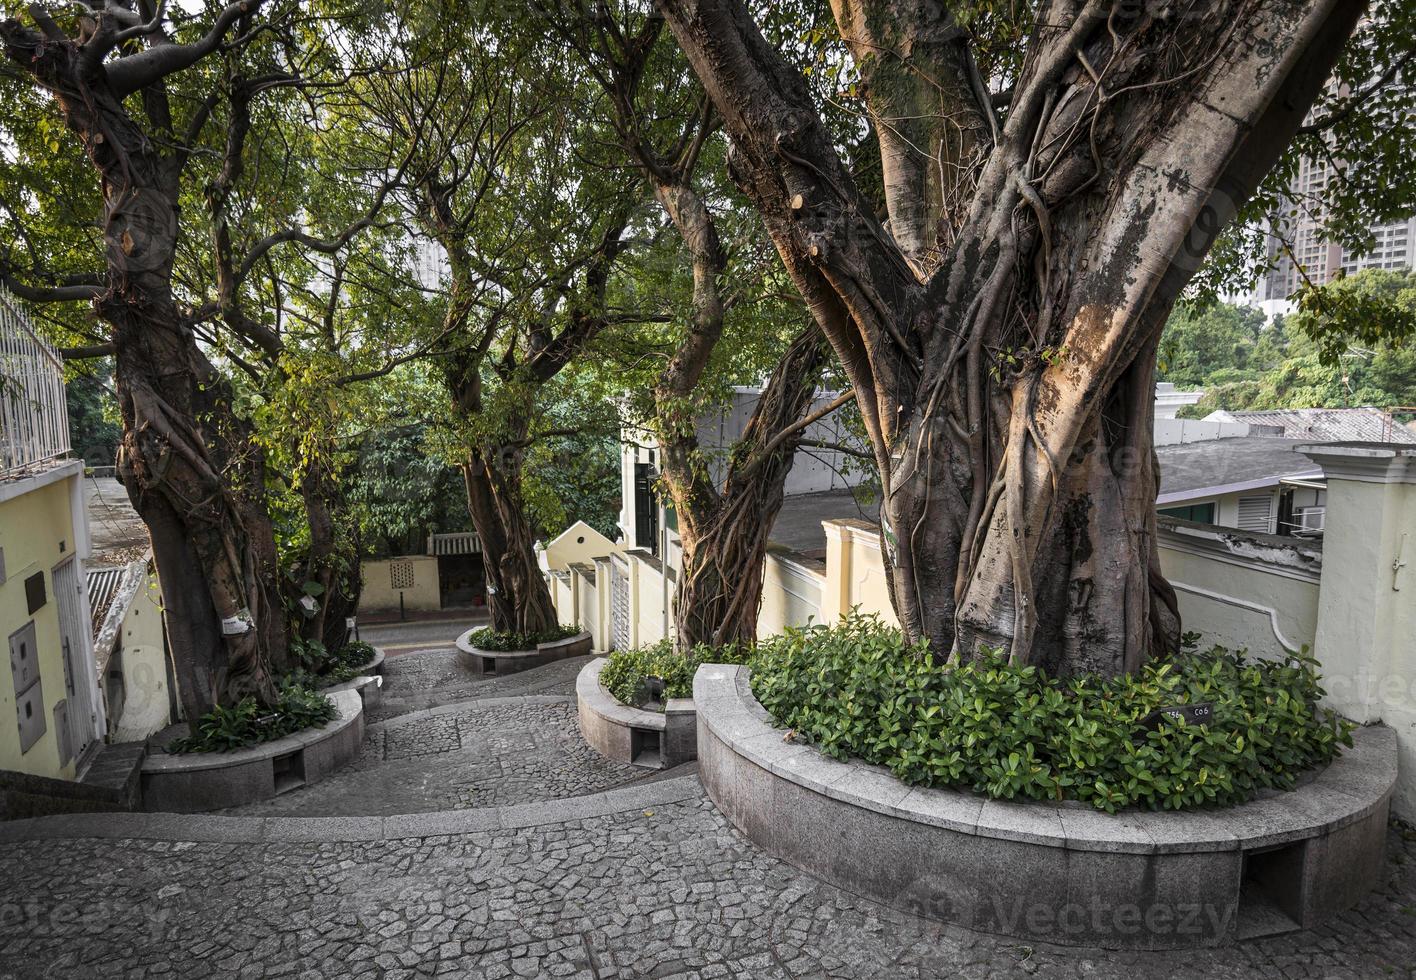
(1256, 514)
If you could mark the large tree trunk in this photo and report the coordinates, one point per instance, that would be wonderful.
(518, 598)
(517, 595)
(1007, 387)
(332, 559)
(181, 460)
(189, 464)
(724, 534)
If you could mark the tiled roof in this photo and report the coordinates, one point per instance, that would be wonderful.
(1326, 424)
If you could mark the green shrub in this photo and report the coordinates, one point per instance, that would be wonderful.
(336, 668)
(487, 638)
(860, 690)
(626, 669)
(249, 723)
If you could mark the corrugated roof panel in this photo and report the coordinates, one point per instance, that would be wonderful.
(102, 587)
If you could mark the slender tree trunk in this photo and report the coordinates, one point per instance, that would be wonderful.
(332, 560)
(518, 598)
(190, 466)
(517, 595)
(724, 535)
(1007, 387)
(723, 530)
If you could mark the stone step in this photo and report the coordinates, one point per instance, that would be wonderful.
(117, 767)
(659, 775)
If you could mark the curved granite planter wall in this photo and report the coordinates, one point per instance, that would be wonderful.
(1055, 873)
(368, 684)
(512, 661)
(654, 739)
(211, 780)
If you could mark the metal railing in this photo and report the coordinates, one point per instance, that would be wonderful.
(34, 417)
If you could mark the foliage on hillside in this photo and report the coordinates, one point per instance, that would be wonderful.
(1347, 345)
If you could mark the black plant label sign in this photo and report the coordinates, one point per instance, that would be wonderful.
(1190, 714)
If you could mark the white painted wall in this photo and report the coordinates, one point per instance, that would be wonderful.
(1170, 431)
(1366, 632)
(1242, 591)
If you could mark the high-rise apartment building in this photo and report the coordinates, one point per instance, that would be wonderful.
(1394, 243)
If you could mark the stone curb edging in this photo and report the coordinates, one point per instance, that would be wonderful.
(632, 735)
(212, 780)
(504, 662)
(955, 856)
(205, 828)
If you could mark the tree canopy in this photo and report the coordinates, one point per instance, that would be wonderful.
(320, 238)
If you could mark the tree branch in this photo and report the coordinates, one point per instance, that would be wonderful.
(87, 353)
(137, 71)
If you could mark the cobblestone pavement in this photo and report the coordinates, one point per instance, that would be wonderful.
(672, 892)
(426, 679)
(521, 750)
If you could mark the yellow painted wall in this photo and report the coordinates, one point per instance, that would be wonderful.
(855, 573)
(379, 593)
(587, 608)
(647, 602)
(31, 528)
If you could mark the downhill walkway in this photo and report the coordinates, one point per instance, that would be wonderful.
(477, 839)
(478, 753)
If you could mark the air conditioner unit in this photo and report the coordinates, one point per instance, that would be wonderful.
(1310, 519)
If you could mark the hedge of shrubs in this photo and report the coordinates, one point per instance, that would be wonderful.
(860, 690)
(508, 641)
(623, 675)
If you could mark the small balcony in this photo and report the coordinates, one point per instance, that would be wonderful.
(34, 417)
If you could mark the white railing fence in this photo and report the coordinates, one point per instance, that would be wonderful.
(34, 417)
(455, 543)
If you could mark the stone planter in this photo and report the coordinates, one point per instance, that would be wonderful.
(200, 781)
(653, 739)
(369, 684)
(499, 662)
(1062, 873)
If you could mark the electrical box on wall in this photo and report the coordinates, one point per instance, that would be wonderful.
(29, 707)
(29, 692)
(24, 658)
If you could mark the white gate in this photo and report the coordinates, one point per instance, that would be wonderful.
(619, 603)
(81, 703)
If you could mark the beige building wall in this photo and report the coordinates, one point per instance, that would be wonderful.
(576, 544)
(647, 591)
(415, 576)
(147, 697)
(792, 585)
(855, 573)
